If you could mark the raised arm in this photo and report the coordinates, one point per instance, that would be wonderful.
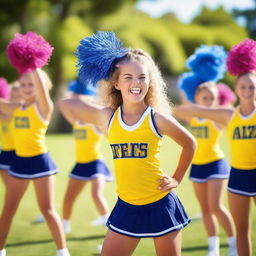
(4, 117)
(43, 99)
(179, 114)
(167, 125)
(87, 112)
(218, 115)
(8, 108)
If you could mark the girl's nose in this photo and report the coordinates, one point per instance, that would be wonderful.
(136, 80)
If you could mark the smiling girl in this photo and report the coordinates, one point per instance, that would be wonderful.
(30, 121)
(134, 123)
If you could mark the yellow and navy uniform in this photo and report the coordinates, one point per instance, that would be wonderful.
(207, 136)
(242, 137)
(7, 136)
(136, 151)
(87, 142)
(29, 130)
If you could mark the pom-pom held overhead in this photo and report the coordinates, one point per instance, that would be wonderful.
(97, 55)
(207, 65)
(76, 86)
(188, 82)
(225, 95)
(242, 58)
(208, 62)
(4, 88)
(28, 52)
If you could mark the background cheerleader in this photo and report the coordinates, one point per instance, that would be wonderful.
(7, 154)
(241, 127)
(32, 161)
(90, 166)
(209, 170)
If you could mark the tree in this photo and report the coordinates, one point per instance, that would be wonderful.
(250, 17)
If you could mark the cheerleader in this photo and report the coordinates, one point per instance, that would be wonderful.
(29, 123)
(135, 117)
(90, 166)
(240, 123)
(7, 154)
(209, 170)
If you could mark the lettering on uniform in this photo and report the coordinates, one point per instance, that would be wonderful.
(21, 122)
(80, 134)
(200, 132)
(129, 150)
(244, 132)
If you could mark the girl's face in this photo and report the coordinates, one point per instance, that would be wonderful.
(27, 88)
(15, 96)
(133, 81)
(245, 87)
(206, 97)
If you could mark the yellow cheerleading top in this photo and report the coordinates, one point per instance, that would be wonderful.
(29, 130)
(87, 142)
(207, 136)
(136, 151)
(242, 138)
(7, 137)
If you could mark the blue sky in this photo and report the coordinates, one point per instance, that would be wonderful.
(187, 9)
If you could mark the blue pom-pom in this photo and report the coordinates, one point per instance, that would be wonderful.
(76, 86)
(208, 62)
(188, 82)
(96, 55)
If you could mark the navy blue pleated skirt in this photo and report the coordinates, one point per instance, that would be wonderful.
(91, 170)
(151, 220)
(215, 170)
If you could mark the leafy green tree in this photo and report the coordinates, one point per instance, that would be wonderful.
(250, 17)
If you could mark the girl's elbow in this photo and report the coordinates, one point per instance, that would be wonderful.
(192, 143)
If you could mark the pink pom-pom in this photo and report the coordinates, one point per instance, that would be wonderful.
(225, 95)
(4, 88)
(28, 52)
(242, 58)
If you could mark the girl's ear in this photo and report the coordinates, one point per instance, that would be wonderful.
(116, 86)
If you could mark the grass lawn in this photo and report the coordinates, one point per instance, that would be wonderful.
(28, 239)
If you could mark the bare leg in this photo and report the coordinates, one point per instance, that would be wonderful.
(98, 197)
(15, 189)
(116, 244)
(210, 221)
(169, 244)
(45, 197)
(73, 190)
(215, 202)
(4, 175)
(240, 210)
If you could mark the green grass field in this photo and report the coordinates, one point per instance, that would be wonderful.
(28, 239)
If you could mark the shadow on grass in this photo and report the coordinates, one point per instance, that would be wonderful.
(46, 241)
(200, 248)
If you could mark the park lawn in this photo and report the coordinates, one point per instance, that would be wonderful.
(28, 239)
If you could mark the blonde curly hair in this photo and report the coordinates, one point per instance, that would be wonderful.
(156, 96)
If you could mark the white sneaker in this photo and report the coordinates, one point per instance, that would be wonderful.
(63, 252)
(66, 226)
(3, 252)
(39, 219)
(213, 253)
(232, 251)
(99, 247)
(100, 221)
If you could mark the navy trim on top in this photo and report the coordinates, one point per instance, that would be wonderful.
(110, 119)
(154, 123)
